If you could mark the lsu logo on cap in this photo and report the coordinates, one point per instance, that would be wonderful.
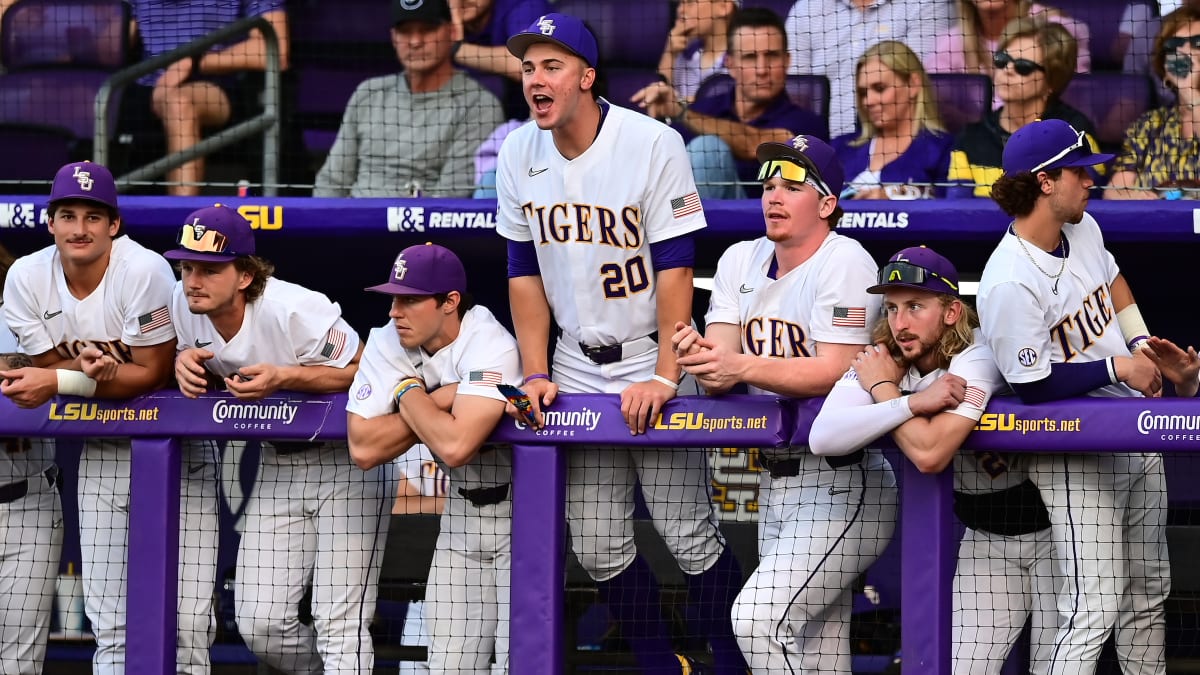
(410, 5)
(84, 178)
(198, 229)
(546, 26)
(400, 268)
(800, 143)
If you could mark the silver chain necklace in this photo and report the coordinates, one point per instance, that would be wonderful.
(1052, 277)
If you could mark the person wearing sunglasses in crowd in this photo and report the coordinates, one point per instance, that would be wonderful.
(93, 313)
(927, 381)
(968, 47)
(243, 330)
(1160, 158)
(788, 313)
(1062, 322)
(1031, 68)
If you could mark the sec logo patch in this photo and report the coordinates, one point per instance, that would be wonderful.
(1027, 357)
(363, 393)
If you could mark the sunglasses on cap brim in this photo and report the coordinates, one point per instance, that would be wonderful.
(204, 240)
(903, 272)
(791, 170)
(1024, 67)
(1080, 142)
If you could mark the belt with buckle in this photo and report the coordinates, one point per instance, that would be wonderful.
(611, 353)
(790, 467)
(485, 496)
(14, 491)
(293, 447)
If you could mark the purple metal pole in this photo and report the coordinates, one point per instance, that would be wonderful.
(927, 559)
(153, 582)
(538, 533)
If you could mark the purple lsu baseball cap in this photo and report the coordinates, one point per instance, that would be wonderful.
(85, 180)
(1045, 145)
(810, 152)
(213, 234)
(920, 268)
(425, 269)
(560, 29)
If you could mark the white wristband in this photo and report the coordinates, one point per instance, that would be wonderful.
(75, 383)
(1112, 369)
(1133, 327)
(662, 380)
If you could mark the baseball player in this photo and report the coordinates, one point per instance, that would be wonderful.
(424, 487)
(314, 519)
(788, 313)
(32, 536)
(927, 381)
(1061, 321)
(93, 313)
(430, 375)
(600, 201)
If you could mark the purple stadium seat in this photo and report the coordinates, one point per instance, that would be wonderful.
(623, 83)
(67, 33)
(58, 97)
(962, 98)
(34, 152)
(810, 92)
(628, 32)
(322, 93)
(1112, 101)
(1103, 19)
(339, 21)
(780, 7)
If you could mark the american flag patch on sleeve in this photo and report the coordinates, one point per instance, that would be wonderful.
(156, 319)
(974, 397)
(335, 341)
(850, 317)
(485, 377)
(685, 205)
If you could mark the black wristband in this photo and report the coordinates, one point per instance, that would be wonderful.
(454, 49)
(664, 79)
(195, 72)
(871, 391)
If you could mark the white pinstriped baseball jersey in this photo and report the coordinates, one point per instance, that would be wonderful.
(1078, 309)
(289, 325)
(482, 352)
(423, 473)
(822, 300)
(594, 217)
(130, 307)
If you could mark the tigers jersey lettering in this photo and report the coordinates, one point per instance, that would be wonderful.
(1079, 331)
(556, 224)
(774, 338)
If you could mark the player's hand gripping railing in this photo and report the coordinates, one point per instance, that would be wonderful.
(156, 421)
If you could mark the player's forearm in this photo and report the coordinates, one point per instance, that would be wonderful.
(531, 322)
(798, 377)
(455, 440)
(133, 380)
(496, 60)
(926, 445)
(316, 379)
(377, 440)
(674, 305)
